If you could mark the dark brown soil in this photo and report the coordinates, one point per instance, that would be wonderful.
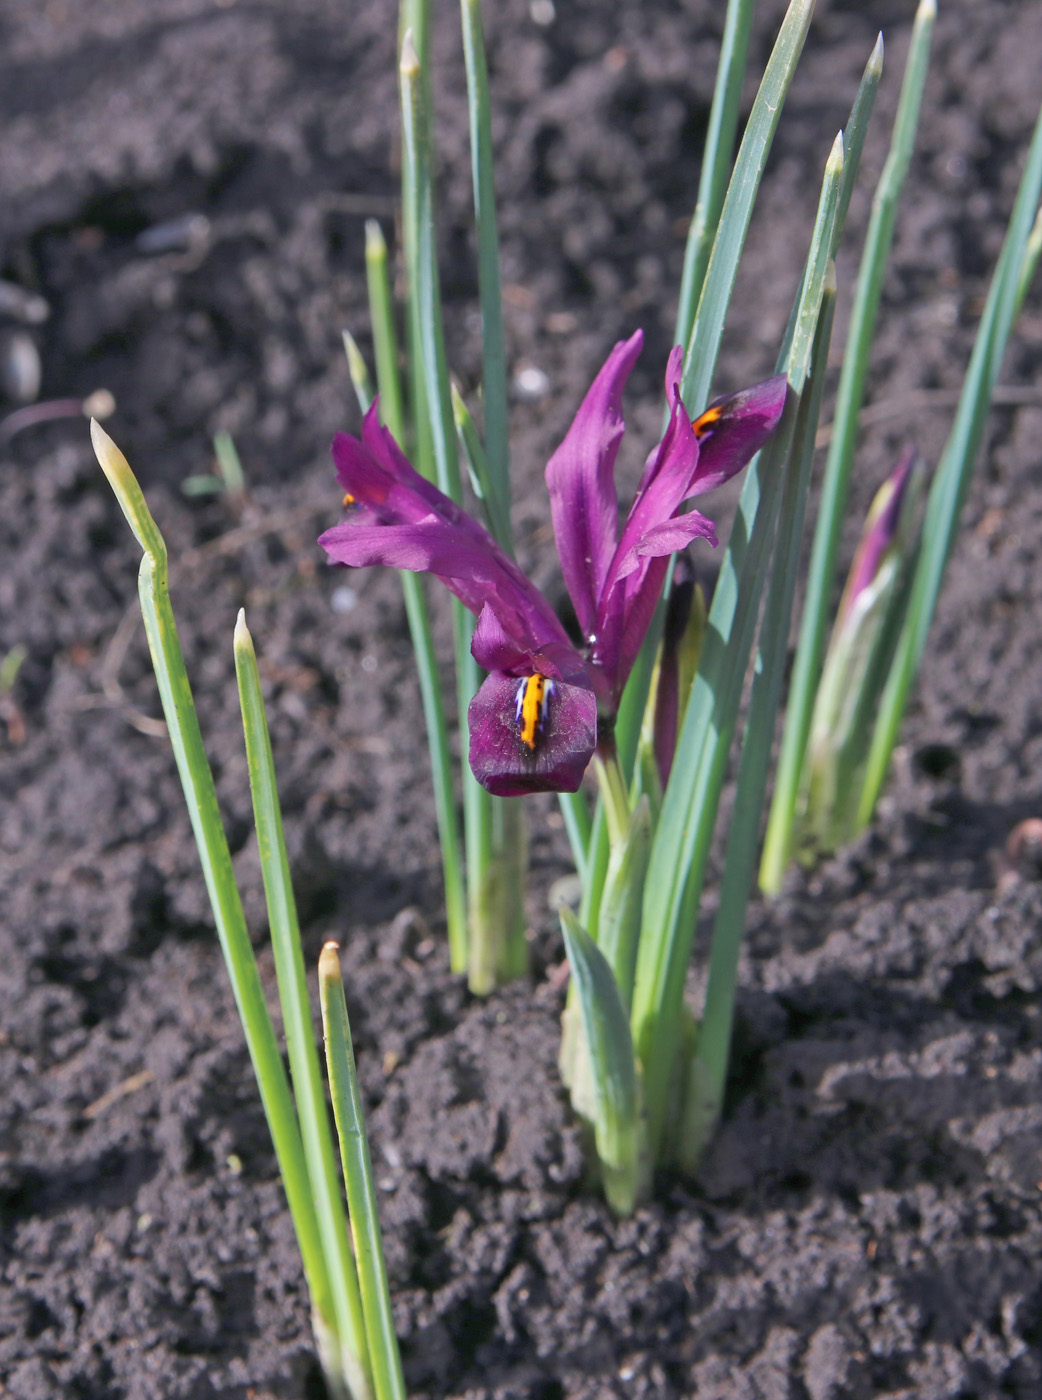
(868, 1223)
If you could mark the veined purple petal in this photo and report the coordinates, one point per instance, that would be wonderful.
(667, 538)
(580, 477)
(733, 429)
(494, 649)
(529, 734)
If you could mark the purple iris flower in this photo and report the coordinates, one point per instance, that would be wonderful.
(533, 722)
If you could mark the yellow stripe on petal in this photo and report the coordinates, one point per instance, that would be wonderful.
(707, 420)
(533, 696)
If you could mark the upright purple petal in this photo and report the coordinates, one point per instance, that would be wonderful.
(649, 531)
(531, 737)
(580, 477)
(733, 429)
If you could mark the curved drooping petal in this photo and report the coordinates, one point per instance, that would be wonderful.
(398, 518)
(493, 648)
(580, 477)
(531, 737)
(733, 429)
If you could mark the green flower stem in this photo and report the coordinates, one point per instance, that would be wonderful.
(951, 480)
(332, 1322)
(293, 991)
(614, 792)
(501, 954)
(682, 839)
(716, 162)
(835, 484)
(713, 1043)
(494, 355)
(384, 1355)
(578, 824)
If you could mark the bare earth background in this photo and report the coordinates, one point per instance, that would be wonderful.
(868, 1223)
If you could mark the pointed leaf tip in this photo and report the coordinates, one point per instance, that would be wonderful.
(834, 164)
(242, 640)
(128, 493)
(410, 65)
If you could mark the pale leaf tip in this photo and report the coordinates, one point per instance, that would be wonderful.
(834, 165)
(329, 961)
(410, 65)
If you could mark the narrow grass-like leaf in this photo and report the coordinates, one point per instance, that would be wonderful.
(706, 1090)
(953, 472)
(682, 840)
(293, 991)
(855, 132)
(384, 1355)
(422, 259)
(494, 355)
(497, 514)
(423, 643)
(716, 161)
(835, 484)
(358, 370)
(385, 339)
(703, 343)
(1030, 265)
(617, 1112)
(332, 1323)
(618, 926)
(426, 296)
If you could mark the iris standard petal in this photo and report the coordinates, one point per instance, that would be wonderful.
(496, 650)
(531, 734)
(580, 477)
